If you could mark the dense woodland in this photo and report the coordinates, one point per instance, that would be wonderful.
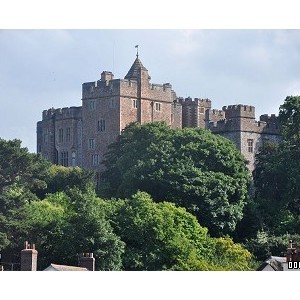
(170, 200)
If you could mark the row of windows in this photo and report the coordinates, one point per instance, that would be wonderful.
(101, 126)
(112, 104)
(135, 105)
(64, 159)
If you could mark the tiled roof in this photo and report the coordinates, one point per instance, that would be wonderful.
(54, 267)
(134, 70)
(275, 262)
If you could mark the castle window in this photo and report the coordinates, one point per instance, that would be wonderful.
(95, 159)
(39, 148)
(45, 156)
(157, 106)
(112, 103)
(101, 125)
(64, 158)
(250, 145)
(134, 103)
(201, 110)
(91, 144)
(97, 180)
(68, 134)
(92, 105)
(100, 179)
(73, 158)
(60, 135)
(45, 135)
(172, 118)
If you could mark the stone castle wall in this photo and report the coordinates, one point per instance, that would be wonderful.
(109, 105)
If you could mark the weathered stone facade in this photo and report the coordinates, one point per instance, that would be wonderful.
(59, 136)
(80, 135)
(235, 122)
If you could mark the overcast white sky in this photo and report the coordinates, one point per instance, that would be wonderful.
(44, 68)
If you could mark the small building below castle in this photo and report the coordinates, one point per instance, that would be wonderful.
(79, 136)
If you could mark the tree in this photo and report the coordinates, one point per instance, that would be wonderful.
(17, 165)
(191, 167)
(162, 236)
(277, 175)
(289, 117)
(60, 178)
(64, 225)
(277, 185)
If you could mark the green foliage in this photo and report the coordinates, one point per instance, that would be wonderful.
(277, 187)
(59, 178)
(4, 242)
(230, 256)
(191, 167)
(266, 244)
(64, 225)
(277, 181)
(289, 116)
(57, 209)
(158, 236)
(17, 165)
(162, 236)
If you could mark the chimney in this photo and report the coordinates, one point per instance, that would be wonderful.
(87, 260)
(107, 76)
(293, 252)
(29, 258)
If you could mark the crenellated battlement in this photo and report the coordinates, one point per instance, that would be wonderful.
(227, 125)
(100, 88)
(62, 113)
(221, 125)
(166, 87)
(218, 112)
(195, 101)
(239, 111)
(269, 118)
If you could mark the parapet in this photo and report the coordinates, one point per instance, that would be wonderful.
(269, 118)
(269, 123)
(61, 113)
(239, 111)
(101, 87)
(222, 125)
(196, 101)
(107, 76)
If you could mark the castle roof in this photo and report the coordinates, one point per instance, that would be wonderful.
(134, 70)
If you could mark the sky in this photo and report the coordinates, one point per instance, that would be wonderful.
(43, 68)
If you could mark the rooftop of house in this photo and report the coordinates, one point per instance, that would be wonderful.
(54, 267)
(275, 262)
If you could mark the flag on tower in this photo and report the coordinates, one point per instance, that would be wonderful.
(137, 50)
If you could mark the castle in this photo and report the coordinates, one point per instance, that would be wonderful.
(79, 136)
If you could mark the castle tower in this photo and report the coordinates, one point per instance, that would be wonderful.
(139, 73)
(195, 112)
(109, 105)
(59, 136)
